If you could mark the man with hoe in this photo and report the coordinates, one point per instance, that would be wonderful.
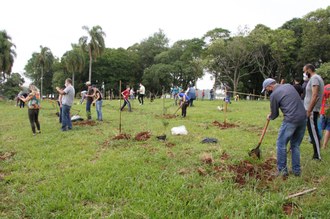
(286, 98)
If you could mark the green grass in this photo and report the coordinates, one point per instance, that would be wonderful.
(83, 173)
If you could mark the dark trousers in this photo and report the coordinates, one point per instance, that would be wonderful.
(34, 121)
(21, 104)
(314, 134)
(184, 109)
(88, 109)
(126, 102)
(140, 98)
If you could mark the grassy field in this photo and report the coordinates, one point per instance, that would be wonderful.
(84, 173)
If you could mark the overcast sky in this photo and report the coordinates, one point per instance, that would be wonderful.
(57, 24)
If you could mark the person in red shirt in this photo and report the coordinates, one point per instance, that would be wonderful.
(325, 115)
(125, 94)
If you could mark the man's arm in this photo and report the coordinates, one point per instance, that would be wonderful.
(314, 99)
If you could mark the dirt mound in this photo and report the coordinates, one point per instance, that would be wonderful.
(122, 136)
(289, 208)
(169, 144)
(245, 169)
(85, 123)
(166, 116)
(6, 155)
(142, 136)
(224, 125)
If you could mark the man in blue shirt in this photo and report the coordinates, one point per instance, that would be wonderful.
(184, 102)
(286, 98)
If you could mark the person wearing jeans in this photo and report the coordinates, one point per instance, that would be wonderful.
(67, 101)
(286, 98)
(98, 101)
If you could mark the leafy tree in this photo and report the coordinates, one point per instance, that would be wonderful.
(215, 34)
(259, 41)
(156, 77)
(282, 44)
(93, 43)
(7, 54)
(185, 58)
(316, 37)
(150, 47)
(74, 61)
(324, 71)
(44, 61)
(115, 65)
(229, 60)
(12, 85)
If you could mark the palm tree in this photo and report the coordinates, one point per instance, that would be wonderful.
(7, 54)
(74, 61)
(93, 44)
(44, 61)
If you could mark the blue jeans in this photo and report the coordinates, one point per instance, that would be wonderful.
(294, 133)
(66, 120)
(88, 109)
(99, 110)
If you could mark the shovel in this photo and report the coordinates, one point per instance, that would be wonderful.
(177, 110)
(256, 151)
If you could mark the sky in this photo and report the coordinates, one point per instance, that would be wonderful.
(58, 24)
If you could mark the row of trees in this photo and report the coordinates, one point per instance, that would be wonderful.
(241, 60)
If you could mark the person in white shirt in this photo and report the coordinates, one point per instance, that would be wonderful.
(141, 92)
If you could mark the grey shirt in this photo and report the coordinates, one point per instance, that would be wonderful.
(68, 97)
(286, 98)
(315, 80)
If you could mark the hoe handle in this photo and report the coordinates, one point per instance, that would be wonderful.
(263, 132)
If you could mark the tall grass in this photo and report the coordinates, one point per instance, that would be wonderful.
(83, 173)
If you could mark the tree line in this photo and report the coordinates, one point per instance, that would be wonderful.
(241, 60)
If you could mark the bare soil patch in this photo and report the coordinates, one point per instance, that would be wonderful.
(142, 136)
(6, 155)
(224, 125)
(122, 136)
(85, 123)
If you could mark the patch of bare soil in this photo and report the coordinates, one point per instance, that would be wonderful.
(85, 123)
(169, 144)
(289, 207)
(6, 155)
(224, 156)
(122, 136)
(245, 169)
(224, 125)
(142, 136)
(166, 116)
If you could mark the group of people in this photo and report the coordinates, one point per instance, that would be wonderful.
(298, 114)
(128, 94)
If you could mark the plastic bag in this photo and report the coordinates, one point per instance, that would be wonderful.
(180, 130)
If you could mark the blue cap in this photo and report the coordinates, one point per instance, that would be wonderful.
(266, 83)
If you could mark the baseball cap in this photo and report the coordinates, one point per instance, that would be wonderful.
(266, 83)
(88, 83)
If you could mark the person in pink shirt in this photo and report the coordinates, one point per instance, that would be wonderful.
(325, 115)
(125, 95)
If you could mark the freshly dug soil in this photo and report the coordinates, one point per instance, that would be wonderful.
(224, 125)
(85, 123)
(6, 155)
(142, 136)
(122, 136)
(166, 116)
(263, 172)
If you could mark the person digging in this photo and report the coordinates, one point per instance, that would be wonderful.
(286, 98)
(184, 102)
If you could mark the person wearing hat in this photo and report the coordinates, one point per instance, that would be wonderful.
(89, 99)
(286, 98)
(184, 103)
